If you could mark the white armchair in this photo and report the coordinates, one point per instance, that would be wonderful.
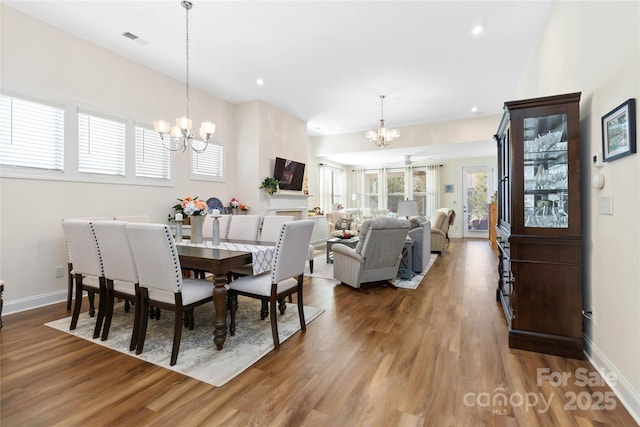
(377, 255)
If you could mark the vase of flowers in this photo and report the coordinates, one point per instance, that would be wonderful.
(194, 209)
(234, 204)
(197, 222)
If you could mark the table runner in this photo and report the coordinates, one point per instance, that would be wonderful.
(261, 256)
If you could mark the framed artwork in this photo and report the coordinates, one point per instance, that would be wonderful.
(619, 131)
(448, 188)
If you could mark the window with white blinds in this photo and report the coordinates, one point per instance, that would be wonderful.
(101, 145)
(208, 163)
(31, 134)
(152, 159)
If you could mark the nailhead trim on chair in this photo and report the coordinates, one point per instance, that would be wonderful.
(174, 255)
(95, 242)
(276, 253)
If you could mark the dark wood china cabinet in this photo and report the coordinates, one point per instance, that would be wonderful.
(539, 227)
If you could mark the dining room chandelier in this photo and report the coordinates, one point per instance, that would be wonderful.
(180, 136)
(382, 136)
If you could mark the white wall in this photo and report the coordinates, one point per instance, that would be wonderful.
(594, 47)
(42, 61)
(264, 133)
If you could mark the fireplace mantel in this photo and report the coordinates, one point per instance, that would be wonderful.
(287, 202)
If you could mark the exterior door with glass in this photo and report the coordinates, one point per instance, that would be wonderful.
(477, 190)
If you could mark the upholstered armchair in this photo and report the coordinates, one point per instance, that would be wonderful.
(441, 220)
(377, 255)
(337, 218)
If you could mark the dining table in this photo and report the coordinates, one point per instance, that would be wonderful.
(220, 260)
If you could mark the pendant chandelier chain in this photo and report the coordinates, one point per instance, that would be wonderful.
(187, 45)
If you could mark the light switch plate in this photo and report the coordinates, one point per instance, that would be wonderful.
(605, 205)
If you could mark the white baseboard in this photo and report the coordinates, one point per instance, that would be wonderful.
(625, 393)
(16, 306)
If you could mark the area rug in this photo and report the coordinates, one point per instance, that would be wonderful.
(198, 357)
(323, 270)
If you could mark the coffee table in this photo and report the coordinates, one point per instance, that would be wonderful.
(351, 242)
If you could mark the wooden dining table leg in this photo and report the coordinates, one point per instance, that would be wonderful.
(219, 311)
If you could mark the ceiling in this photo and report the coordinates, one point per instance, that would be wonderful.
(325, 62)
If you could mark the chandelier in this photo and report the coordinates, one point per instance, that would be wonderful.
(180, 136)
(382, 136)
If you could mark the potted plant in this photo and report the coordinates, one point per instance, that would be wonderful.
(270, 185)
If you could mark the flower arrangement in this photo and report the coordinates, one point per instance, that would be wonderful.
(191, 206)
(234, 203)
(244, 208)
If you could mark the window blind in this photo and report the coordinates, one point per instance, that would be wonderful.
(31, 134)
(101, 145)
(152, 159)
(208, 163)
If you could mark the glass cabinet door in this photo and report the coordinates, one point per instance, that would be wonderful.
(546, 171)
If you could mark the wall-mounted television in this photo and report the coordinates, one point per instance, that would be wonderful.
(290, 174)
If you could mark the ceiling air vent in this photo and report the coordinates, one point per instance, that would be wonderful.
(130, 36)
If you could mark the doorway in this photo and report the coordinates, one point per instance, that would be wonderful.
(477, 187)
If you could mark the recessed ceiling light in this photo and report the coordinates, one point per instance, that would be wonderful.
(477, 30)
(259, 82)
(474, 109)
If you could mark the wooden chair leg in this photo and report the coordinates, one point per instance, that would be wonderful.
(274, 324)
(77, 303)
(303, 323)
(102, 303)
(177, 336)
(108, 315)
(138, 314)
(69, 285)
(91, 297)
(142, 327)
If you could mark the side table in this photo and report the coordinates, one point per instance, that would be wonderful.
(351, 242)
(406, 263)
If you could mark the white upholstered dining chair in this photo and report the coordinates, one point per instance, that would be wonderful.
(270, 232)
(271, 226)
(160, 280)
(121, 276)
(287, 273)
(244, 227)
(87, 268)
(71, 273)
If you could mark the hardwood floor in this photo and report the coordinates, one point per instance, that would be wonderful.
(435, 356)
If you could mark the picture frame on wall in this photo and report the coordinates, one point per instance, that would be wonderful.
(619, 131)
(449, 188)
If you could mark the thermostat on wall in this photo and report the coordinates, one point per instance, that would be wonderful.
(597, 181)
